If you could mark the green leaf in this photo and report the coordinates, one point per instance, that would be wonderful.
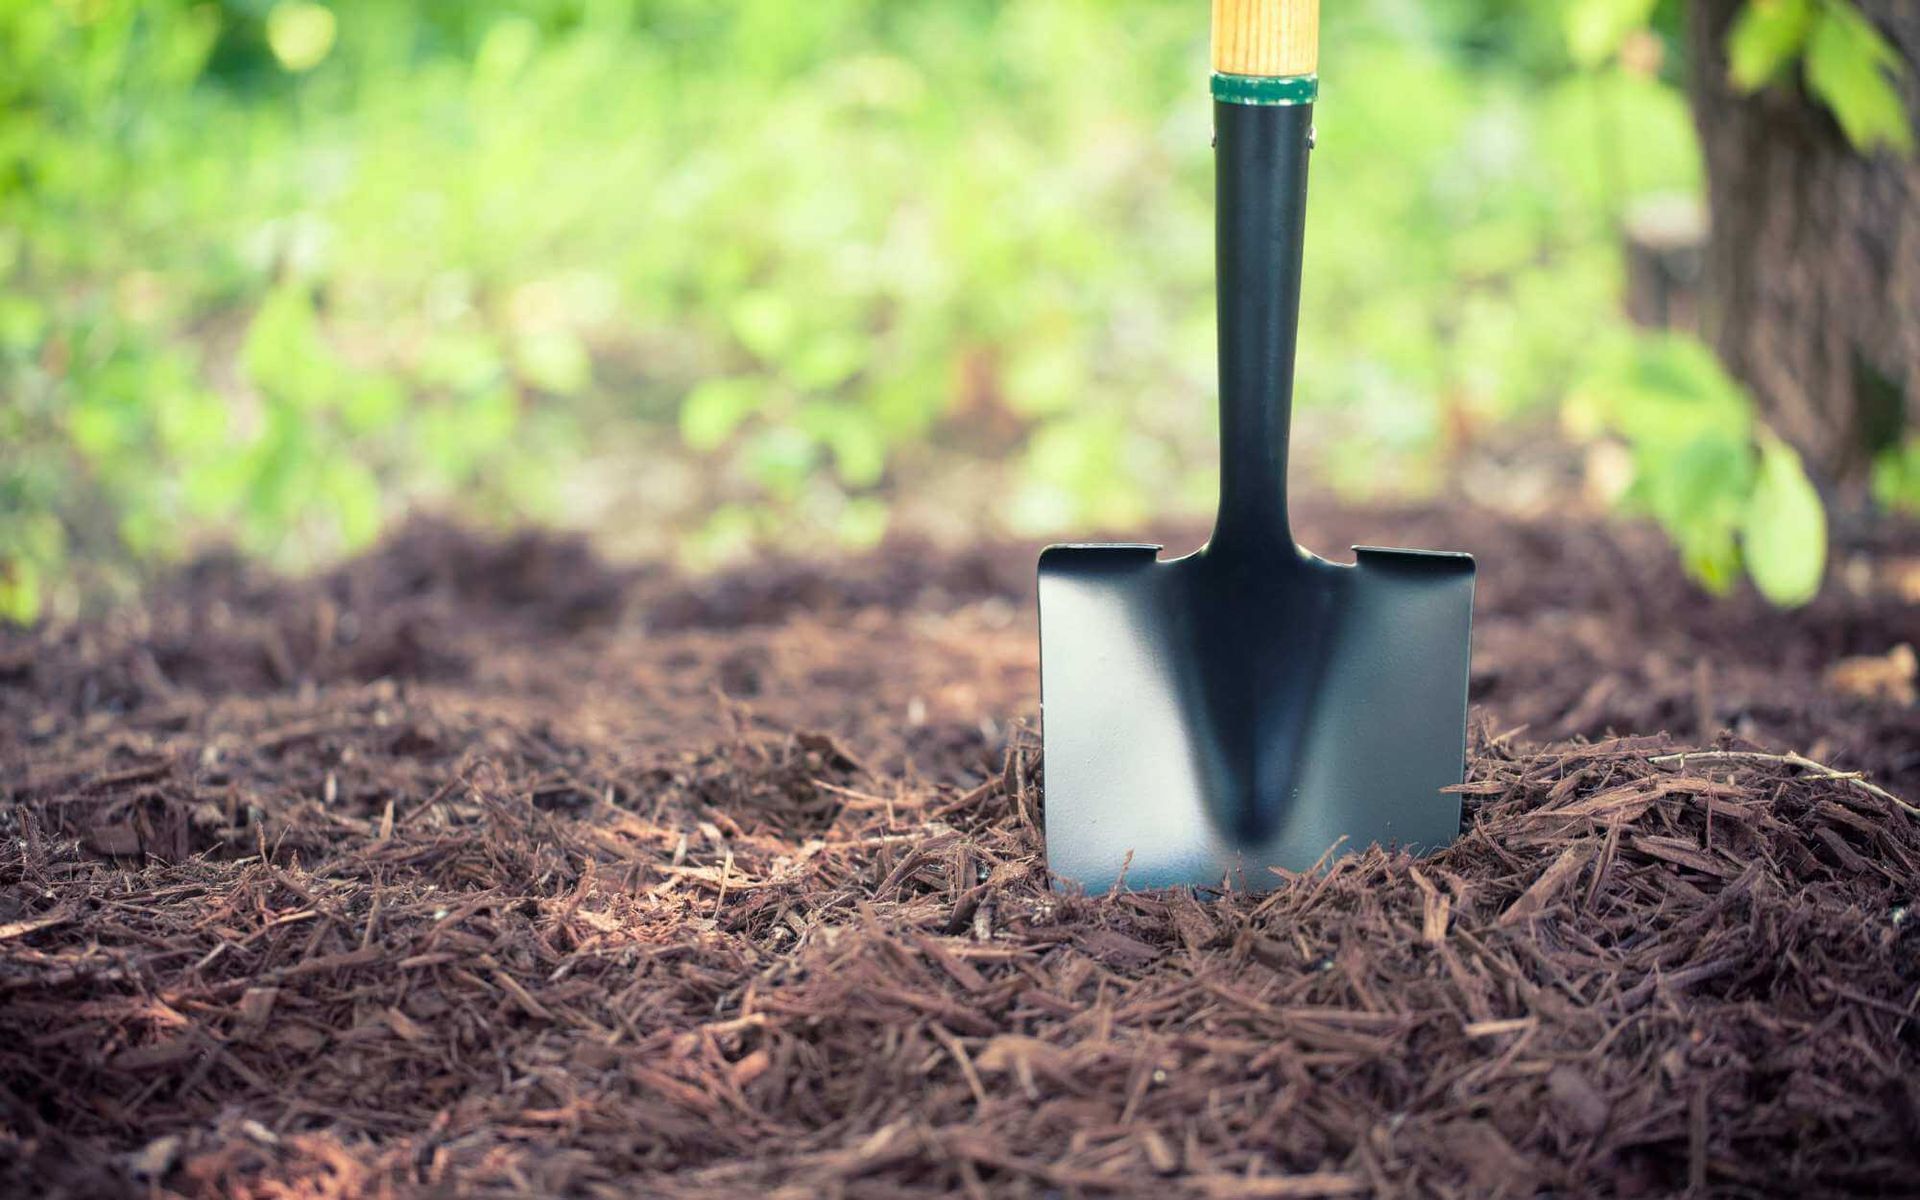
(728, 535)
(301, 34)
(1785, 533)
(192, 422)
(1596, 29)
(23, 322)
(1711, 557)
(1664, 391)
(824, 363)
(862, 524)
(373, 404)
(765, 322)
(1690, 430)
(488, 420)
(506, 50)
(141, 531)
(1047, 378)
(859, 450)
(712, 411)
(350, 491)
(556, 363)
(1896, 477)
(1765, 38)
(217, 488)
(99, 429)
(1851, 67)
(459, 361)
(1701, 484)
(782, 458)
(19, 591)
(284, 354)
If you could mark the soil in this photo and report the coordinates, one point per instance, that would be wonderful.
(478, 866)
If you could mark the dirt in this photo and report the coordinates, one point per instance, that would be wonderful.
(478, 866)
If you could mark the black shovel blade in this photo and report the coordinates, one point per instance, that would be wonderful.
(1211, 717)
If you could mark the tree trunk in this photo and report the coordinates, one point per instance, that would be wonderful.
(1812, 273)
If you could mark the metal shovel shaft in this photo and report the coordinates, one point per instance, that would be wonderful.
(1260, 189)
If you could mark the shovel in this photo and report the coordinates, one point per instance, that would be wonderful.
(1251, 705)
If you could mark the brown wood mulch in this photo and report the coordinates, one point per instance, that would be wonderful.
(475, 867)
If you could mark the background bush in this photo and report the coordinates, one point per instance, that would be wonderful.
(712, 272)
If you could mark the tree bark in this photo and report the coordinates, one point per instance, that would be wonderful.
(1812, 272)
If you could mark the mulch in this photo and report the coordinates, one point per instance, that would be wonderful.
(478, 866)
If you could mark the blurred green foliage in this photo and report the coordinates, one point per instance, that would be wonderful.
(275, 268)
(1848, 64)
(1729, 493)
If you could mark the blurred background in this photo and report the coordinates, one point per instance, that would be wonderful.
(698, 276)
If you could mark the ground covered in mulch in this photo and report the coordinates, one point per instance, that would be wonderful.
(477, 866)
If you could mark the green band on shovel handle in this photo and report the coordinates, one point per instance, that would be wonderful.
(1266, 89)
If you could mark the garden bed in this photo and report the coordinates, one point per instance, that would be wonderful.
(478, 865)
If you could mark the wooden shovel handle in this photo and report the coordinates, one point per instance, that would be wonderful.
(1266, 37)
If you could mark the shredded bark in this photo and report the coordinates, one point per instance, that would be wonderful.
(447, 873)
